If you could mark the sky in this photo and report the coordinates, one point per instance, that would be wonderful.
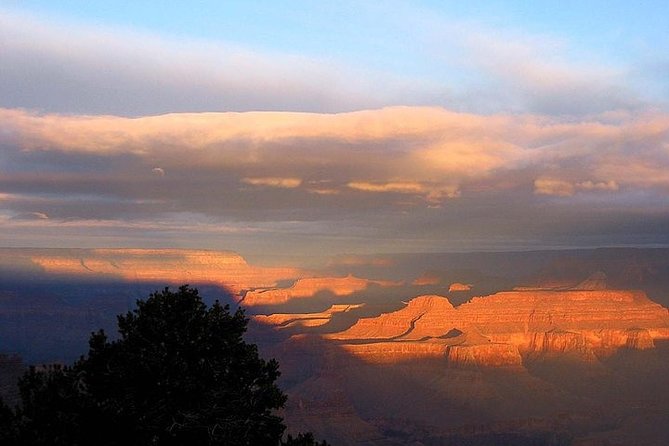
(304, 128)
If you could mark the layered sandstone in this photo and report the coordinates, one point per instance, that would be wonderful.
(497, 330)
(487, 354)
(310, 287)
(172, 266)
(423, 317)
(457, 352)
(595, 315)
(397, 352)
(457, 286)
(293, 320)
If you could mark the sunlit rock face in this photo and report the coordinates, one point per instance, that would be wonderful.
(293, 320)
(457, 286)
(310, 287)
(484, 354)
(573, 320)
(498, 330)
(172, 266)
(424, 316)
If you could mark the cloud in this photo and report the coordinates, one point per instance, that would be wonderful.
(494, 67)
(70, 67)
(428, 152)
(30, 216)
(549, 186)
(400, 187)
(561, 188)
(400, 176)
(158, 171)
(431, 193)
(601, 185)
(286, 183)
(536, 74)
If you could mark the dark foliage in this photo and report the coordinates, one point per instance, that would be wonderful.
(303, 440)
(180, 374)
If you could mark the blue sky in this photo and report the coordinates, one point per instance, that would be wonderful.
(440, 48)
(421, 125)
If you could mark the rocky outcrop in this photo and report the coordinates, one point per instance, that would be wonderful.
(457, 286)
(496, 330)
(630, 338)
(397, 352)
(639, 339)
(541, 311)
(423, 317)
(171, 266)
(560, 342)
(293, 320)
(484, 355)
(310, 287)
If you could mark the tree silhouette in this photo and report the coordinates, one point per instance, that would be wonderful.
(179, 374)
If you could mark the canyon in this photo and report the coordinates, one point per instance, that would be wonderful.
(497, 330)
(309, 287)
(579, 364)
(496, 348)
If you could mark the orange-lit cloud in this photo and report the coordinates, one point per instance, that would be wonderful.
(441, 175)
(550, 186)
(561, 188)
(436, 153)
(400, 187)
(601, 185)
(431, 193)
(286, 183)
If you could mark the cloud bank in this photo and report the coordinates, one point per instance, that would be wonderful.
(400, 176)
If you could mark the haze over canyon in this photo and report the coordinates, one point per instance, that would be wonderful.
(523, 348)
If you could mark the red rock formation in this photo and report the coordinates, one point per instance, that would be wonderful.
(424, 316)
(495, 330)
(292, 320)
(173, 266)
(560, 342)
(309, 287)
(394, 352)
(457, 286)
(639, 339)
(486, 355)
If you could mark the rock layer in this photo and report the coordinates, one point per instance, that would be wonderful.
(310, 287)
(496, 330)
(292, 320)
(173, 266)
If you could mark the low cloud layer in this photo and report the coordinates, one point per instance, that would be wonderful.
(403, 177)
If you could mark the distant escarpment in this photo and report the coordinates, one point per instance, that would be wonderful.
(501, 329)
(170, 266)
(292, 320)
(310, 287)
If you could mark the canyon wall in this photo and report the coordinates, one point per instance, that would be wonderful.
(169, 266)
(310, 287)
(497, 330)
